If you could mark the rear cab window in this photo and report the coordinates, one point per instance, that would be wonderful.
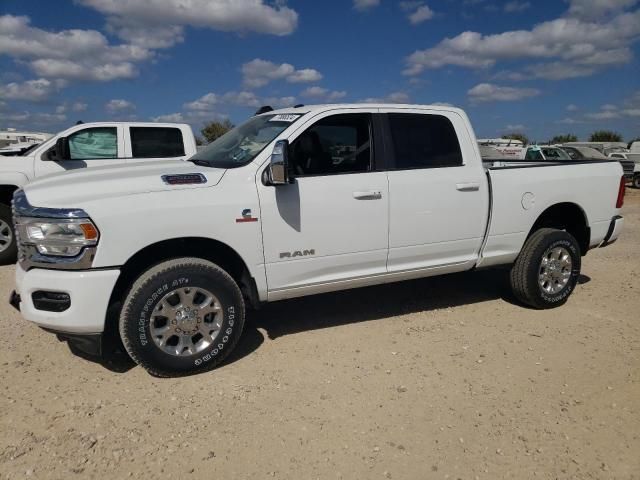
(156, 142)
(423, 140)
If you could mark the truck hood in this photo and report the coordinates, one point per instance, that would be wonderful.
(69, 189)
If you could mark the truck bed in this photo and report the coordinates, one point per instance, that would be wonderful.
(518, 198)
(503, 163)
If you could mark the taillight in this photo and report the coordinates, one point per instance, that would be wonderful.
(620, 200)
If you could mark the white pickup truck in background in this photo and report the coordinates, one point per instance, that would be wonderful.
(296, 202)
(83, 146)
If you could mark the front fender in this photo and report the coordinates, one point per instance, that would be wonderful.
(15, 179)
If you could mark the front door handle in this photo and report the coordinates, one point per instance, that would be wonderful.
(468, 187)
(368, 195)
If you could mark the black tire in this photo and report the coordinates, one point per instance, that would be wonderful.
(636, 181)
(526, 270)
(9, 249)
(144, 298)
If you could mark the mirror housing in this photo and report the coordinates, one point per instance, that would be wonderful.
(278, 171)
(60, 151)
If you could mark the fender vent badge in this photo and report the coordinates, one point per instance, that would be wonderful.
(184, 179)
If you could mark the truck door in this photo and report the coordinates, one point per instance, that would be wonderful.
(331, 224)
(93, 146)
(438, 193)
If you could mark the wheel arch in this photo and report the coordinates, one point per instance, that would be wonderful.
(209, 249)
(566, 216)
(6, 193)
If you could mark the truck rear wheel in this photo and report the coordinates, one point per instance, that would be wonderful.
(182, 316)
(547, 269)
(8, 247)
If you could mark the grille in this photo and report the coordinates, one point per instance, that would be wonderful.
(628, 166)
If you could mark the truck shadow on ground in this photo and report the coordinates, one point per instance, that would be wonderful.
(381, 302)
(346, 307)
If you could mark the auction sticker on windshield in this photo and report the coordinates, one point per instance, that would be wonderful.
(285, 117)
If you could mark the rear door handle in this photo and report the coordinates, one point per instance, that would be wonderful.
(468, 187)
(368, 195)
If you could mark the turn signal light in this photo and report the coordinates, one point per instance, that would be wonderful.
(90, 232)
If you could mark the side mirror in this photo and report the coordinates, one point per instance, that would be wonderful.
(60, 151)
(278, 171)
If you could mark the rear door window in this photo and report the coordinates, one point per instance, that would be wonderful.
(156, 142)
(424, 141)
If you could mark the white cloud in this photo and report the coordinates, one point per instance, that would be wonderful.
(362, 5)
(30, 90)
(169, 117)
(572, 108)
(71, 107)
(258, 73)
(572, 46)
(603, 115)
(393, 97)
(516, 6)
(417, 11)
(118, 105)
(322, 94)
(211, 101)
(68, 54)
(32, 119)
(629, 108)
(515, 128)
(488, 92)
(279, 102)
(594, 9)
(420, 15)
(159, 23)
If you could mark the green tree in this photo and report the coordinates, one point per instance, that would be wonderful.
(216, 129)
(517, 136)
(569, 137)
(605, 136)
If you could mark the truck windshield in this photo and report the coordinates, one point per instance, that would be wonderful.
(243, 143)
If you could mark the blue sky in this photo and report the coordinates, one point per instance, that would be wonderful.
(540, 66)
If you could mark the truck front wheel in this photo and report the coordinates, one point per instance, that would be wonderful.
(636, 180)
(8, 247)
(182, 316)
(547, 269)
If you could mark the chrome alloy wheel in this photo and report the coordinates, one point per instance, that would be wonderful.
(555, 270)
(6, 235)
(186, 321)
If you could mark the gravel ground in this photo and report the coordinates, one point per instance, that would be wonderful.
(436, 378)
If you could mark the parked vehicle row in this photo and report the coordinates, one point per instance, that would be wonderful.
(630, 164)
(629, 159)
(170, 255)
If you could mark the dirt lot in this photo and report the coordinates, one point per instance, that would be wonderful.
(437, 378)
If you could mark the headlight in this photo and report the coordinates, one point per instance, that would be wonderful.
(58, 237)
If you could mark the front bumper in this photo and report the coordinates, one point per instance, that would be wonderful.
(89, 293)
(615, 227)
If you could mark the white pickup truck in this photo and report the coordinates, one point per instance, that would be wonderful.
(296, 202)
(82, 146)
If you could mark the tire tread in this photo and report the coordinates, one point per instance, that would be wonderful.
(160, 269)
